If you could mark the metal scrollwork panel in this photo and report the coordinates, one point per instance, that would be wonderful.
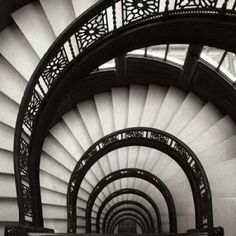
(92, 30)
(133, 134)
(27, 201)
(55, 67)
(185, 4)
(32, 111)
(110, 140)
(139, 9)
(24, 156)
(159, 137)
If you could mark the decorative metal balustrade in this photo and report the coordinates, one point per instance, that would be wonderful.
(129, 191)
(156, 139)
(102, 21)
(129, 216)
(113, 212)
(111, 227)
(120, 174)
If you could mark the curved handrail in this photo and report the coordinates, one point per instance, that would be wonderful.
(111, 212)
(129, 191)
(90, 29)
(127, 173)
(129, 217)
(153, 138)
(128, 213)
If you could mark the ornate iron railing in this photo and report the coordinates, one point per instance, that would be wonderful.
(120, 174)
(156, 139)
(111, 213)
(133, 217)
(111, 225)
(129, 191)
(103, 20)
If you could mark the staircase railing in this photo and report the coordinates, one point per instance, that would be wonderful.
(101, 21)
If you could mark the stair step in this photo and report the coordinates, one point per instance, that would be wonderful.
(6, 162)
(54, 14)
(9, 209)
(206, 118)
(153, 103)
(187, 111)
(65, 137)
(8, 188)
(222, 130)
(50, 182)
(25, 60)
(137, 98)
(51, 197)
(9, 110)
(173, 100)
(75, 123)
(218, 153)
(41, 35)
(224, 209)
(82, 5)
(91, 120)
(12, 84)
(53, 148)
(6, 137)
(120, 100)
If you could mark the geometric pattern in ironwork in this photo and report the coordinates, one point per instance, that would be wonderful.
(55, 67)
(27, 201)
(139, 9)
(24, 156)
(32, 110)
(92, 30)
(184, 4)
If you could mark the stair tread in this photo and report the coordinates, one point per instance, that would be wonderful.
(40, 36)
(54, 14)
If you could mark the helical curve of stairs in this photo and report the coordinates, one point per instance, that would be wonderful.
(209, 133)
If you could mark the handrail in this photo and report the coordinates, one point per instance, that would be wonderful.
(113, 211)
(129, 191)
(91, 28)
(126, 210)
(156, 139)
(130, 216)
(111, 227)
(127, 173)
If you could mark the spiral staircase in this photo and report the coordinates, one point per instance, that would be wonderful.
(210, 133)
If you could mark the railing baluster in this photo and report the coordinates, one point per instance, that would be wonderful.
(234, 6)
(122, 10)
(223, 8)
(114, 14)
(71, 48)
(166, 13)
